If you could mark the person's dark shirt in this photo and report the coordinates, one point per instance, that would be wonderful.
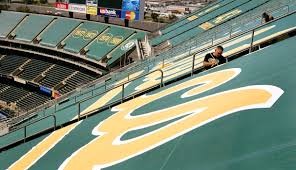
(268, 18)
(210, 56)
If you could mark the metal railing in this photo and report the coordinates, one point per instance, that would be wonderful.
(31, 123)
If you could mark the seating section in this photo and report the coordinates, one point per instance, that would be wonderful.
(34, 68)
(10, 63)
(216, 21)
(190, 17)
(107, 41)
(32, 100)
(210, 20)
(23, 98)
(12, 94)
(94, 40)
(195, 19)
(31, 27)
(55, 75)
(234, 27)
(76, 81)
(124, 47)
(57, 31)
(83, 35)
(9, 21)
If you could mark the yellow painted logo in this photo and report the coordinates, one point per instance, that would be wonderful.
(196, 113)
(85, 34)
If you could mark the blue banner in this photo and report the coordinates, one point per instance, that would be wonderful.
(45, 90)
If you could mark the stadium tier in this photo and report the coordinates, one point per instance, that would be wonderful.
(75, 81)
(192, 16)
(23, 98)
(43, 72)
(246, 8)
(222, 103)
(56, 74)
(64, 34)
(216, 17)
(234, 27)
(37, 73)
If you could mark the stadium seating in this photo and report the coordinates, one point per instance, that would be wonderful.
(217, 21)
(57, 31)
(55, 75)
(32, 100)
(76, 81)
(242, 23)
(9, 21)
(187, 32)
(194, 15)
(34, 68)
(31, 27)
(12, 94)
(23, 98)
(10, 63)
(107, 41)
(83, 35)
(224, 9)
(82, 38)
(196, 20)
